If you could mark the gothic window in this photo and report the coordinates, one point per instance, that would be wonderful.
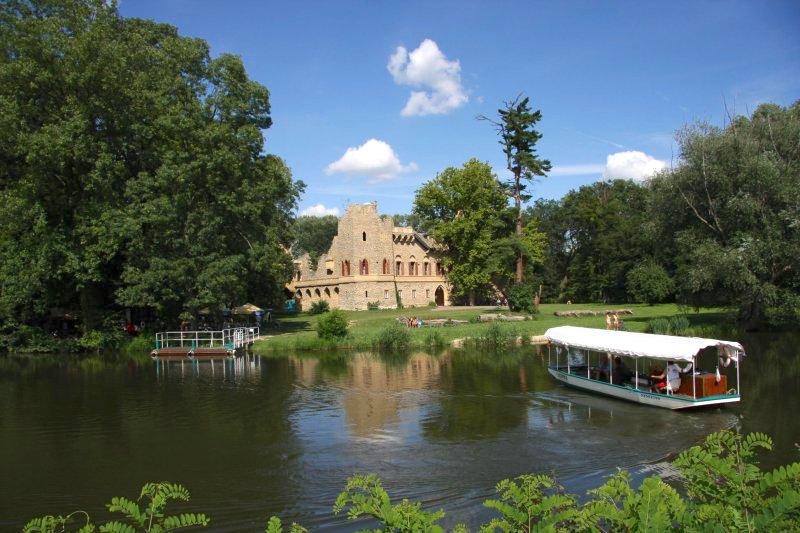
(386, 266)
(345, 268)
(364, 236)
(426, 268)
(364, 268)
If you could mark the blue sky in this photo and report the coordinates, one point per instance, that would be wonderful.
(612, 79)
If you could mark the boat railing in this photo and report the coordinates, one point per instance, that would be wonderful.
(231, 338)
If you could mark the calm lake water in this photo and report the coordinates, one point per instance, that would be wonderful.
(280, 436)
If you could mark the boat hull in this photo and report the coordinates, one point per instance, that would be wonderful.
(663, 401)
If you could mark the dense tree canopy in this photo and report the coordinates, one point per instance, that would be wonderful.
(467, 210)
(594, 236)
(131, 169)
(730, 215)
(314, 235)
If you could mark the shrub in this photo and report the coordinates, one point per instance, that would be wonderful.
(332, 325)
(679, 325)
(365, 496)
(151, 517)
(393, 337)
(648, 282)
(521, 298)
(317, 308)
(373, 306)
(659, 326)
(497, 335)
(434, 339)
(432, 304)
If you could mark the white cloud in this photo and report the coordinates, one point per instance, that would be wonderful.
(633, 165)
(576, 170)
(319, 210)
(374, 158)
(428, 68)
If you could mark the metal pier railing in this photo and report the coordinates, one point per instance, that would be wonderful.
(230, 340)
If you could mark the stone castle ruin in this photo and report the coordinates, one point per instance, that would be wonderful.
(370, 261)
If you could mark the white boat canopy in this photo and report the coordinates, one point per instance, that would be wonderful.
(630, 344)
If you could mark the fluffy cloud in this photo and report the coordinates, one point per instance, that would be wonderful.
(632, 165)
(576, 170)
(374, 158)
(428, 68)
(319, 210)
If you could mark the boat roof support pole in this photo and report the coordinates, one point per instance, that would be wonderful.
(587, 365)
(610, 368)
(637, 372)
(738, 385)
(694, 381)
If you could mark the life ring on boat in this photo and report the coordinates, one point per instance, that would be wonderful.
(731, 391)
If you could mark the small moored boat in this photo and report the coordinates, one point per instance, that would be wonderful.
(624, 364)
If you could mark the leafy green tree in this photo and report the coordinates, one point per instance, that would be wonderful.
(274, 525)
(594, 236)
(731, 493)
(648, 282)
(466, 211)
(132, 170)
(365, 496)
(313, 236)
(532, 503)
(731, 209)
(653, 507)
(518, 137)
(148, 519)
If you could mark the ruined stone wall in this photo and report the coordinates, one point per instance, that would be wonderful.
(363, 236)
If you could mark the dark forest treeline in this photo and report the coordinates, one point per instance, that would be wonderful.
(721, 228)
(132, 172)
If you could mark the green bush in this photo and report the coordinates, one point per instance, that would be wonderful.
(648, 282)
(679, 325)
(373, 306)
(393, 337)
(332, 325)
(434, 339)
(726, 489)
(149, 518)
(497, 335)
(432, 304)
(659, 326)
(317, 308)
(521, 298)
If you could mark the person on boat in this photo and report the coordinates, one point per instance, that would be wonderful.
(671, 375)
(602, 368)
(621, 372)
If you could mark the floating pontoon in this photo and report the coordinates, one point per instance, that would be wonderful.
(572, 350)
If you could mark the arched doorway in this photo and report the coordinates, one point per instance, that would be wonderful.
(439, 296)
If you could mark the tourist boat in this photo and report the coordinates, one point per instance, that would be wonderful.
(585, 358)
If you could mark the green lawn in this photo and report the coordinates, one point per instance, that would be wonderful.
(296, 332)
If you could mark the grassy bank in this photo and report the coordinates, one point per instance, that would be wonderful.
(297, 333)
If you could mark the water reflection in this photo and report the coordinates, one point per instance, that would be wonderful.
(256, 436)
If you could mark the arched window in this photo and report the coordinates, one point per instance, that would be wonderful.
(364, 236)
(317, 293)
(364, 268)
(386, 266)
(299, 294)
(439, 269)
(398, 266)
(308, 293)
(345, 268)
(426, 269)
(298, 275)
(413, 268)
(327, 292)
